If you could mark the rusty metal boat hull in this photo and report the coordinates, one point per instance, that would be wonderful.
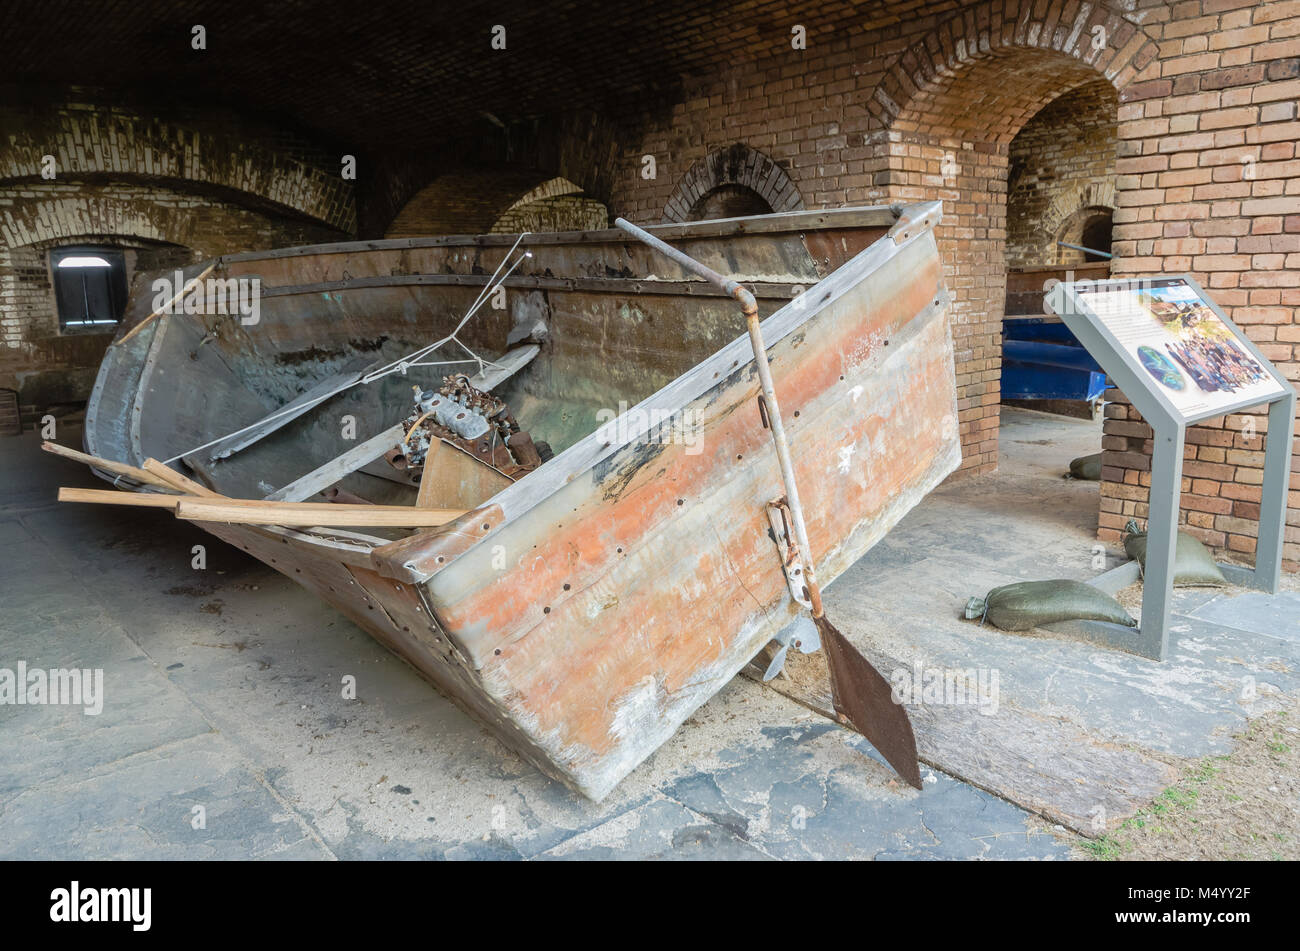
(586, 610)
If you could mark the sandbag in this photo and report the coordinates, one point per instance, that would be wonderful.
(1026, 604)
(1086, 467)
(1193, 563)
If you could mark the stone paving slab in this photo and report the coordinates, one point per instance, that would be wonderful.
(225, 690)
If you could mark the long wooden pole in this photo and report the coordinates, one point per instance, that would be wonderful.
(179, 482)
(300, 514)
(179, 294)
(263, 512)
(114, 497)
(108, 465)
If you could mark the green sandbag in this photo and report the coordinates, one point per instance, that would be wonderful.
(1086, 467)
(1026, 604)
(1193, 563)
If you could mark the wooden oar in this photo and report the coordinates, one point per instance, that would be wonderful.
(861, 695)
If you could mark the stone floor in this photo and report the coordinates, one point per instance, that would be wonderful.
(224, 733)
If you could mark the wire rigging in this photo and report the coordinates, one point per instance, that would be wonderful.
(400, 365)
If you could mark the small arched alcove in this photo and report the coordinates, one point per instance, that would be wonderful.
(731, 183)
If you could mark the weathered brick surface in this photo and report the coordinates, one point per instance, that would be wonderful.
(1201, 98)
(737, 165)
(501, 200)
(920, 103)
(207, 150)
(1208, 176)
(168, 191)
(1062, 166)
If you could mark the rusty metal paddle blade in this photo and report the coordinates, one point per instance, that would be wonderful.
(864, 698)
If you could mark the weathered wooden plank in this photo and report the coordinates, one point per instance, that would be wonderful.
(853, 218)
(308, 514)
(325, 476)
(107, 465)
(178, 481)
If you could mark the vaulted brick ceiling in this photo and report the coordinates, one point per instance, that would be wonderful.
(409, 73)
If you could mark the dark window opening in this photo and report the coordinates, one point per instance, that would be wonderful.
(1096, 235)
(89, 288)
(1085, 231)
(729, 201)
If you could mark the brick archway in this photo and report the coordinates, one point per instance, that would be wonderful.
(504, 200)
(919, 88)
(950, 106)
(1094, 195)
(555, 205)
(736, 165)
(241, 166)
(159, 227)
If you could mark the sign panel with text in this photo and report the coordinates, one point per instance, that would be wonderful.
(1200, 363)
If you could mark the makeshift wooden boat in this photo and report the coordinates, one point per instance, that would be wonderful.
(623, 551)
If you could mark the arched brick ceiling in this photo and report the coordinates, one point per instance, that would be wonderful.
(394, 73)
(991, 98)
(979, 76)
(223, 158)
(737, 164)
(464, 201)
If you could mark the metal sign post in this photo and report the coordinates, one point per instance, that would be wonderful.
(1180, 360)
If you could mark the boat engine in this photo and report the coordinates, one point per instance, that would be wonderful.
(474, 421)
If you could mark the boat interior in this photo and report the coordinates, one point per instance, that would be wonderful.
(564, 332)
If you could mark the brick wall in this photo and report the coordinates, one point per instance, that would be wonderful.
(482, 200)
(1061, 163)
(1209, 183)
(738, 166)
(927, 105)
(168, 190)
(908, 108)
(210, 150)
(577, 146)
(553, 213)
